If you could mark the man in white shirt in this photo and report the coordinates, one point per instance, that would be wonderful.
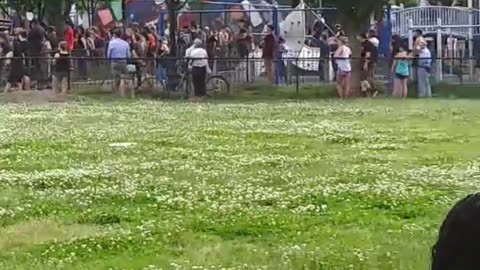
(423, 70)
(197, 59)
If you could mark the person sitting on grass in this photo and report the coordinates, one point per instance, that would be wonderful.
(62, 64)
(456, 247)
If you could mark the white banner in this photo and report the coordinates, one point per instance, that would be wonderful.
(292, 29)
(308, 58)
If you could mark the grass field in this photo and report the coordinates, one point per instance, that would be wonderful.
(274, 185)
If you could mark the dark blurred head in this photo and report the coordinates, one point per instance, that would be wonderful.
(117, 33)
(63, 46)
(402, 46)
(270, 29)
(372, 33)
(418, 33)
(68, 23)
(80, 30)
(22, 33)
(396, 38)
(458, 238)
(362, 37)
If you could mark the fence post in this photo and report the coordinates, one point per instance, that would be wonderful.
(470, 39)
(461, 71)
(297, 79)
(439, 50)
(410, 34)
(247, 68)
(69, 72)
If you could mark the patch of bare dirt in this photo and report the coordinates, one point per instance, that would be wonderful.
(33, 97)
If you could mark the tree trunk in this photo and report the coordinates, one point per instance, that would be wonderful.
(352, 30)
(56, 13)
(172, 17)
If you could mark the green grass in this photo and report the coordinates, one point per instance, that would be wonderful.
(324, 185)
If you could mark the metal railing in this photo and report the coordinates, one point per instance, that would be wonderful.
(426, 19)
(165, 74)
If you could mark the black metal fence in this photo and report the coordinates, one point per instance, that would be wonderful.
(166, 74)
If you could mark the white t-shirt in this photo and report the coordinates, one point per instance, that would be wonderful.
(374, 41)
(199, 57)
(189, 50)
(344, 62)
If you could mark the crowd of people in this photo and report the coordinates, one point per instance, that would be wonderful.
(30, 54)
(39, 57)
(405, 64)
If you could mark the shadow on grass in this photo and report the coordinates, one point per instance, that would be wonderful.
(249, 93)
(263, 93)
(456, 91)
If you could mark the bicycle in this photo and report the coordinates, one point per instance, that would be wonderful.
(216, 85)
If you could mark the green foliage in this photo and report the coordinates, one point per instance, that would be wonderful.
(448, 2)
(407, 3)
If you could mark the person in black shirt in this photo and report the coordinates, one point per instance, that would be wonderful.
(35, 40)
(62, 64)
(52, 36)
(16, 58)
(368, 61)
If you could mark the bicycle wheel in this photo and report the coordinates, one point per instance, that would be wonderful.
(217, 85)
(185, 86)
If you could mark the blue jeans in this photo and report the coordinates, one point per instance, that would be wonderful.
(423, 83)
(279, 72)
(161, 73)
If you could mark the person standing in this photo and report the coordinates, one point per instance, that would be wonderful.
(424, 66)
(198, 63)
(81, 51)
(268, 45)
(69, 36)
(373, 38)
(36, 36)
(401, 70)
(280, 74)
(333, 46)
(344, 67)
(16, 57)
(368, 61)
(45, 62)
(62, 64)
(162, 55)
(52, 36)
(118, 53)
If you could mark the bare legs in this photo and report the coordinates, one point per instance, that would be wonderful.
(400, 88)
(24, 84)
(344, 84)
(60, 85)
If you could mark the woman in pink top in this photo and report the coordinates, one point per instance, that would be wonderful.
(344, 70)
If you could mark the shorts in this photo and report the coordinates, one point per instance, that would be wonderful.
(343, 75)
(369, 73)
(118, 71)
(401, 77)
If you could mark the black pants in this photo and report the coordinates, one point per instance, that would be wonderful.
(199, 75)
